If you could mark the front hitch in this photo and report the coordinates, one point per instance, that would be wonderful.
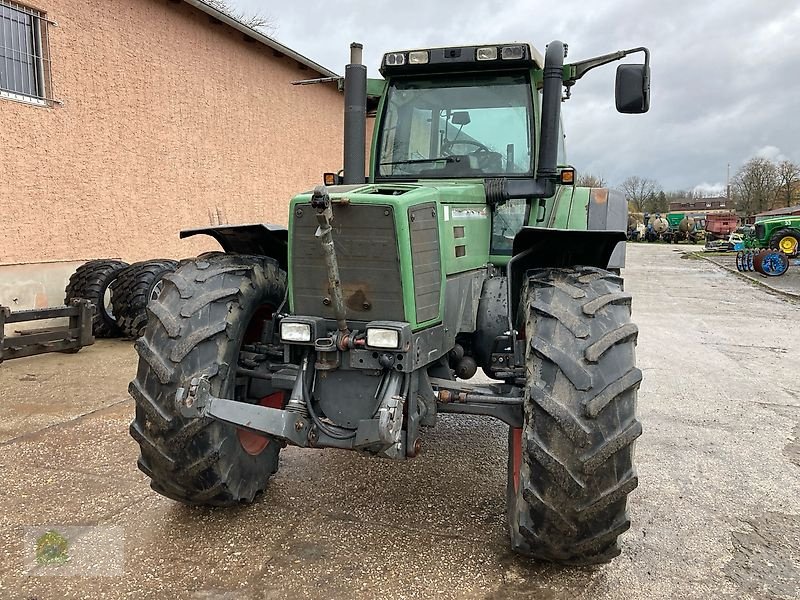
(197, 401)
(299, 424)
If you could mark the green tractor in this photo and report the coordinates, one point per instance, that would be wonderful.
(467, 246)
(780, 233)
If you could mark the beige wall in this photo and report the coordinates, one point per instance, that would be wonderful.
(167, 118)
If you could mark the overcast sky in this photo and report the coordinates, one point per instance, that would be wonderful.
(725, 73)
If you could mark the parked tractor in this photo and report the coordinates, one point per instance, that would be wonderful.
(780, 233)
(467, 246)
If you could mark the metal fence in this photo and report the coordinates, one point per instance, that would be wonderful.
(25, 69)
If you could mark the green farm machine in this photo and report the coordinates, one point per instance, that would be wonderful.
(468, 245)
(780, 233)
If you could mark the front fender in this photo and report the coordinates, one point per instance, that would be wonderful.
(539, 248)
(261, 239)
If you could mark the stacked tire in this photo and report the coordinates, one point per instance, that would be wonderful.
(120, 293)
(92, 281)
(133, 289)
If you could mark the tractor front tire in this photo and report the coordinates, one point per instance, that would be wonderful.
(91, 282)
(786, 240)
(134, 288)
(196, 327)
(571, 464)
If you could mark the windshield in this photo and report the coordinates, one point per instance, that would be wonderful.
(471, 126)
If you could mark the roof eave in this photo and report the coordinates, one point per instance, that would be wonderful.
(260, 37)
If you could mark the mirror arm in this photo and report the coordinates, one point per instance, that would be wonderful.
(574, 71)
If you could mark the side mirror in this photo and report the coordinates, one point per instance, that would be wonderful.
(632, 90)
(461, 117)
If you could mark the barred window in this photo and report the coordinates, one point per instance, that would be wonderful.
(24, 60)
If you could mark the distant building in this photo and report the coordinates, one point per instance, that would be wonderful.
(702, 204)
(786, 211)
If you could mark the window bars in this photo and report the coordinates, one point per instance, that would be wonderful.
(25, 55)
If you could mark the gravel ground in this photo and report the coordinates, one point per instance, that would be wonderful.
(717, 513)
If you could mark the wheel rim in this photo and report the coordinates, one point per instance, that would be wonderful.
(251, 442)
(107, 306)
(255, 443)
(516, 455)
(156, 291)
(774, 264)
(788, 244)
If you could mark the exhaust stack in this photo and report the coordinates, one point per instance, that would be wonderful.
(355, 116)
(551, 112)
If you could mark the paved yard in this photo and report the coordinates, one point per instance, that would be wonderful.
(717, 513)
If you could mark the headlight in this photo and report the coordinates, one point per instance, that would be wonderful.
(395, 59)
(488, 53)
(295, 332)
(383, 338)
(513, 52)
(418, 57)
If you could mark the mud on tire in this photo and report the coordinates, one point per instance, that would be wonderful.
(567, 500)
(133, 289)
(196, 327)
(91, 281)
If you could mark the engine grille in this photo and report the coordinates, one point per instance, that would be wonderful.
(365, 238)
(424, 230)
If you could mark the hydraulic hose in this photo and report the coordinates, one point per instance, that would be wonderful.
(334, 431)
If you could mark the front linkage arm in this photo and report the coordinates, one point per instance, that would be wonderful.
(197, 401)
(297, 424)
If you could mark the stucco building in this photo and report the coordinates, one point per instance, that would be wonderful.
(124, 121)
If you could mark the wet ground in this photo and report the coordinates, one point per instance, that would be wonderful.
(717, 513)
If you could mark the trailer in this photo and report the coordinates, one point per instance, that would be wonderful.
(720, 226)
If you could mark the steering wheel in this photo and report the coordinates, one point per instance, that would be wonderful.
(478, 146)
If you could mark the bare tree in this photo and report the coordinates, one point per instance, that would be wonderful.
(755, 186)
(638, 192)
(590, 180)
(789, 178)
(258, 21)
(657, 203)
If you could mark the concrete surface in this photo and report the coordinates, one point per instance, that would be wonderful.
(788, 283)
(717, 513)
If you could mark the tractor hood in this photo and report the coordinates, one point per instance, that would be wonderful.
(395, 245)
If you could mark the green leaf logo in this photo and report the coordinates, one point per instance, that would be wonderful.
(51, 548)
